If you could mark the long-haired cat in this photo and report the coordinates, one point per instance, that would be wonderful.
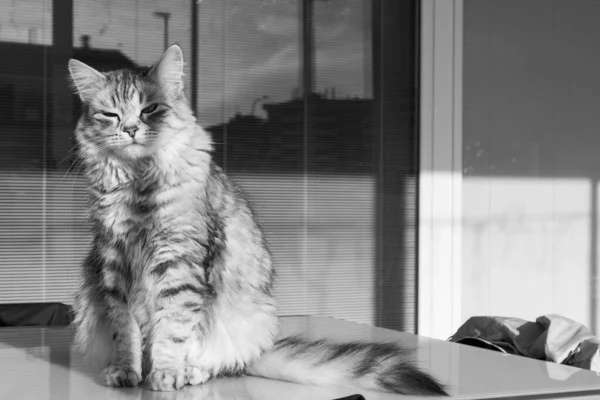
(177, 284)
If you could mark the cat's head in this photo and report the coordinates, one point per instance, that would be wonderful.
(131, 113)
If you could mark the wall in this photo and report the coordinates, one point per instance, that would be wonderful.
(530, 158)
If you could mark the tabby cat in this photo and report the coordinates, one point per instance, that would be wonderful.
(176, 288)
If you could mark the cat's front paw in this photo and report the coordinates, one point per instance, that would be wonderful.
(165, 380)
(117, 376)
(195, 375)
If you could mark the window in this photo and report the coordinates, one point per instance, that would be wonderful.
(312, 106)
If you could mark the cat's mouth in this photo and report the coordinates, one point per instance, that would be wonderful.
(135, 143)
(134, 150)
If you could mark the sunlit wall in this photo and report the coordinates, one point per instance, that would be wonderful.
(530, 158)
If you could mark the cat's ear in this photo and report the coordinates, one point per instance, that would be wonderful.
(86, 80)
(169, 69)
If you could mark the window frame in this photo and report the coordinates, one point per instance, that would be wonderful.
(440, 192)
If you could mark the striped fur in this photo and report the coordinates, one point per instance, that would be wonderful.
(376, 366)
(176, 288)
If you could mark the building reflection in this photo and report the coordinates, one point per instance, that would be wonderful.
(26, 106)
(322, 134)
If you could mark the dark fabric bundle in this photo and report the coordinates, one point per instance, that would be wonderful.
(35, 314)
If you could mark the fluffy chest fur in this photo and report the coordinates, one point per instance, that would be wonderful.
(146, 217)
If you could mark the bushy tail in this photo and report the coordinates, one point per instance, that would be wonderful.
(372, 366)
(93, 337)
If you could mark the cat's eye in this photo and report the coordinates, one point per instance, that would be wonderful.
(110, 115)
(150, 109)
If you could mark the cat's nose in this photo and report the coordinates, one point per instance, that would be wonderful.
(131, 130)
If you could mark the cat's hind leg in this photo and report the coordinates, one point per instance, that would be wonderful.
(195, 375)
(93, 336)
(106, 334)
(126, 365)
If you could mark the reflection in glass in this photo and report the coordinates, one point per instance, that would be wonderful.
(285, 86)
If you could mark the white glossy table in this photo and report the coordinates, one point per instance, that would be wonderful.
(41, 364)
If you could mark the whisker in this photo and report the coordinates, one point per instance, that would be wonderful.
(70, 153)
(76, 169)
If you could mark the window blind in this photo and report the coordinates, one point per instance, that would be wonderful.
(300, 97)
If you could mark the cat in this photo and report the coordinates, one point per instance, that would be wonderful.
(176, 288)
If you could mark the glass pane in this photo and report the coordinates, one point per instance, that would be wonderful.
(289, 90)
(303, 160)
(341, 181)
(25, 34)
